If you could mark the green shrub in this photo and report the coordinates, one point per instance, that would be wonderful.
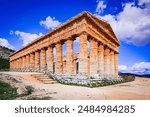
(4, 64)
(30, 89)
(128, 77)
(7, 92)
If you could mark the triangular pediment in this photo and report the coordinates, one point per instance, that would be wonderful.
(104, 25)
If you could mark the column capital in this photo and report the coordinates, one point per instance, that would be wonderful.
(83, 33)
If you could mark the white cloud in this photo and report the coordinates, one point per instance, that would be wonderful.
(50, 23)
(138, 68)
(132, 25)
(122, 67)
(26, 37)
(100, 7)
(141, 2)
(5, 43)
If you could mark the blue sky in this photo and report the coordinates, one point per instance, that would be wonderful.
(21, 21)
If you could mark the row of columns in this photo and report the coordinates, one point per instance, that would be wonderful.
(102, 60)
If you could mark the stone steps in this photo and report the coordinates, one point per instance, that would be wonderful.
(44, 78)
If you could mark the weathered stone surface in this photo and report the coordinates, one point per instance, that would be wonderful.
(37, 60)
(59, 66)
(93, 57)
(98, 59)
(69, 57)
(43, 60)
(83, 54)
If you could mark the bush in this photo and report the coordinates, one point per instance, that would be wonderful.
(30, 89)
(4, 64)
(128, 77)
(7, 92)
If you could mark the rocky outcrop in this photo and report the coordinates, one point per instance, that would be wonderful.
(5, 52)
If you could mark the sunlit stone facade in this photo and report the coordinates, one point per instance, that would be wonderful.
(99, 58)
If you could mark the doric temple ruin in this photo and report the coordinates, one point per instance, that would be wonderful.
(99, 58)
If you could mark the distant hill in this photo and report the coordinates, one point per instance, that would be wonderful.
(137, 75)
(5, 52)
(4, 57)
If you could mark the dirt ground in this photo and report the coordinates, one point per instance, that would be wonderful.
(135, 90)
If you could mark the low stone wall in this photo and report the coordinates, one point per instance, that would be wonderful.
(83, 80)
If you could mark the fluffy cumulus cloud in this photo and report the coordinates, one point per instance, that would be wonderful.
(50, 23)
(138, 68)
(100, 7)
(132, 25)
(141, 2)
(5, 43)
(26, 37)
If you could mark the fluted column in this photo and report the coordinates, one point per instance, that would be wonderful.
(107, 61)
(74, 67)
(59, 67)
(24, 62)
(93, 57)
(101, 59)
(69, 57)
(64, 68)
(50, 58)
(28, 61)
(21, 62)
(116, 64)
(32, 61)
(83, 53)
(43, 59)
(37, 60)
(14, 64)
(17, 63)
(112, 63)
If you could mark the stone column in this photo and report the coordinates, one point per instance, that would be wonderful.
(101, 59)
(24, 62)
(74, 67)
(21, 62)
(69, 57)
(17, 63)
(93, 57)
(59, 67)
(112, 63)
(28, 61)
(37, 60)
(64, 68)
(107, 61)
(83, 54)
(13, 64)
(116, 64)
(50, 58)
(88, 65)
(32, 58)
(43, 59)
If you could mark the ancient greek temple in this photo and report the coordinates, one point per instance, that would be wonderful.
(99, 58)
